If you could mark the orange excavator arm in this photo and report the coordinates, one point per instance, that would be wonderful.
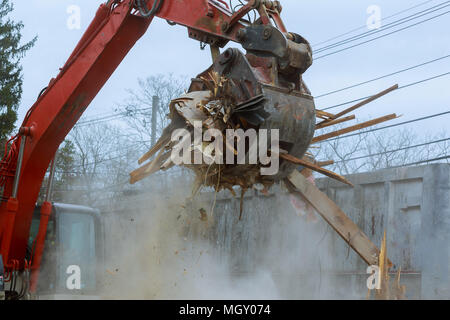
(115, 29)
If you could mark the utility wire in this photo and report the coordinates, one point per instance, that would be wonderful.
(382, 77)
(402, 87)
(420, 162)
(386, 27)
(393, 151)
(100, 119)
(382, 36)
(424, 80)
(365, 26)
(131, 148)
(389, 126)
(110, 116)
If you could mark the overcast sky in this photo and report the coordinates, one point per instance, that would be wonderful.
(166, 49)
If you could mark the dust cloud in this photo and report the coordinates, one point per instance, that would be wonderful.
(167, 247)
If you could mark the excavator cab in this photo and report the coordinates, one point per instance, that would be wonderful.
(73, 252)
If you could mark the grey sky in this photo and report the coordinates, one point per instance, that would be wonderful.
(168, 49)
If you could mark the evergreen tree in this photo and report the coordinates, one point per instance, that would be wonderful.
(11, 53)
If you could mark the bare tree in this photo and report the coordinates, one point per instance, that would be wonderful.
(138, 107)
(104, 154)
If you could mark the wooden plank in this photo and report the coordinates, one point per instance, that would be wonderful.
(325, 163)
(354, 128)
(367, 101)
(149, 168)
(337, 219)
(316, 168)
(161, 143)
(363, 103)
(324, 118)
(333, 122)
(321, 113)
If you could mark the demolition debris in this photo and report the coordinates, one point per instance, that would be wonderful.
(215, 113)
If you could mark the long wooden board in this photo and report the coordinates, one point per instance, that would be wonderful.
(362, 103)
(337, 219)
(314, 167)
(367, 101)
(354, 128)
(334, 122)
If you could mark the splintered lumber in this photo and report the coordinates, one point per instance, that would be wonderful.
(161, 142)
(325, 163)
(337, 219)
(382, 264)
(383, 293)
(369, 100)
(354, 128)
(149, 168)
(322, 114)
(315, 167)
(140, 173)
(333, 122)
(363, 103)
(386, 289)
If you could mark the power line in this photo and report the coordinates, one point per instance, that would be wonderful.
(424, 80)
(389, 126)
(365, 26)
(99, 116)
(423, 161)
(393, 151)
(386, 27)
(120, 184)
(382, 36)
(381, 77)
(401, 87)
(131, 148)
(108, 117)
(99, 120)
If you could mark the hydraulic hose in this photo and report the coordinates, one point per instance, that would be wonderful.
(145, 12)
